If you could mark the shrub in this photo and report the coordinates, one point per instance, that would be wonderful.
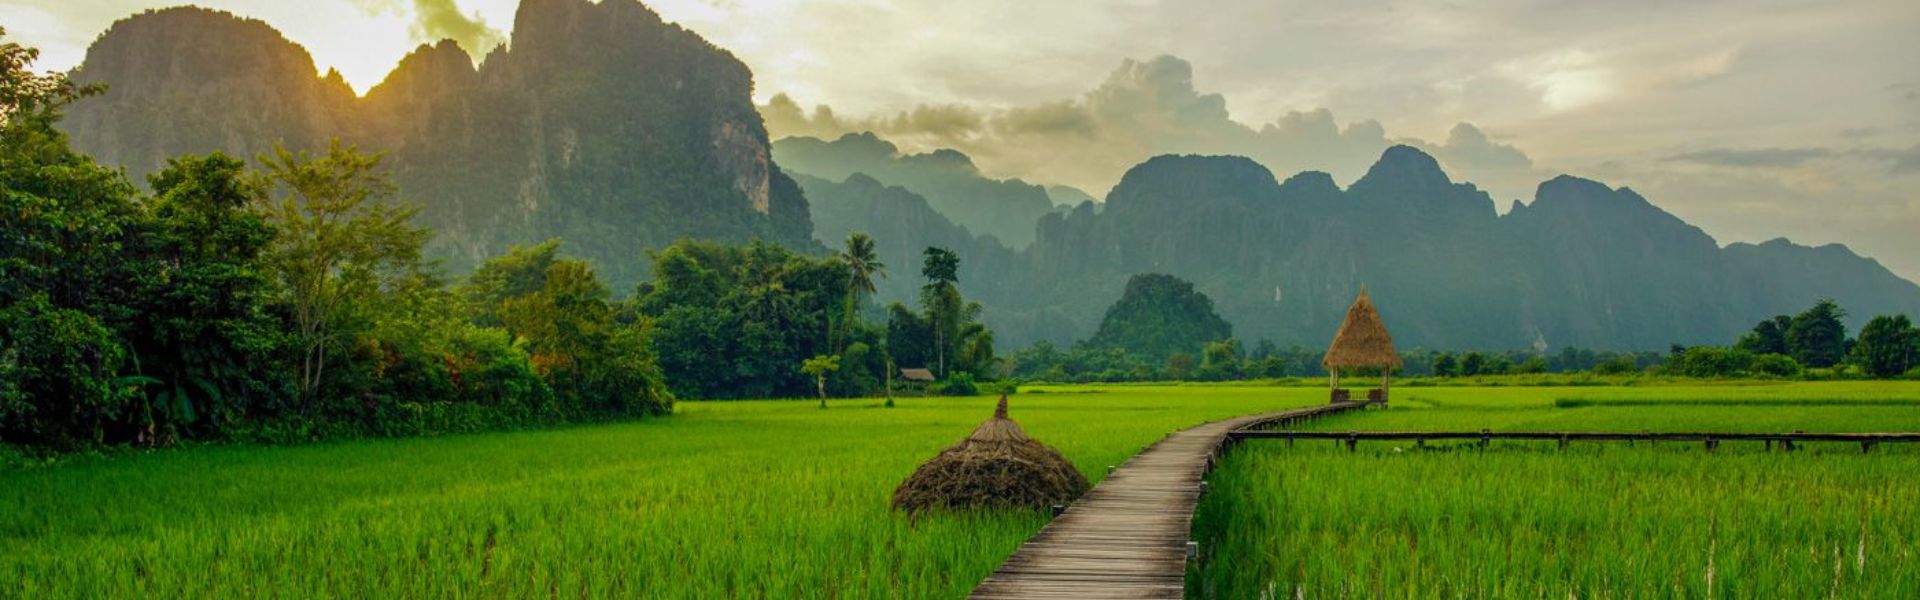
(960, 383)
(1777, 365)
(1618, 365)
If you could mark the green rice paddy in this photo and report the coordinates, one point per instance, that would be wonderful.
(745, 499)
(1528, 520)
(781, 499)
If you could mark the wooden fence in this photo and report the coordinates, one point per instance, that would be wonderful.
(1786, 441)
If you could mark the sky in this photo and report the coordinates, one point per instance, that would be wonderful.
(1752, 119)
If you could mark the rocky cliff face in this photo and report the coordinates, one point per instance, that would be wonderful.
(1583, 265)
(600, 124)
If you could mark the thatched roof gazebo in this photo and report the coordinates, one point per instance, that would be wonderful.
(996, 466)
(1362, 342)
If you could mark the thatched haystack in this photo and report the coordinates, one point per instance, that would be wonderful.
(1362, 340)
(997, 466)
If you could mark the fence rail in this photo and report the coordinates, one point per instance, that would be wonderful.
(1711, 440)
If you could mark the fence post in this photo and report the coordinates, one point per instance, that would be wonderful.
(1485, 437)
(1352, 440)
(1563, 441)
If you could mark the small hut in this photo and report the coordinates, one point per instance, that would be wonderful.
(917, 375)
(1362, 342)
(996, 466)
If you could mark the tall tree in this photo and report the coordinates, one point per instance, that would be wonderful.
(341, 240)
(1817, 338)
(66, 279)
(863, 266)
(1887, 346)
(940, 298)
(205, 332)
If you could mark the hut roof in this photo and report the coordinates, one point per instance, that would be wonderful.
(916, 375)
(1363, 340)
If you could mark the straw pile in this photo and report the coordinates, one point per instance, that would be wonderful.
(997, 466)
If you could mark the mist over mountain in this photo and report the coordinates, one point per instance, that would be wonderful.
(1003, 208)
(602, 125)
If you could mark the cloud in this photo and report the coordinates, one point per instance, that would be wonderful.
(435, 20)
(440, 19)
(1897, 160)
(1145, 108)
(1763, 157)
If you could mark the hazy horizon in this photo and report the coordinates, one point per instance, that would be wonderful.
(1783, 119)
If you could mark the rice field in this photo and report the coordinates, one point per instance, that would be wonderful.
(1528, 520)
(745, 499)
(780, 499)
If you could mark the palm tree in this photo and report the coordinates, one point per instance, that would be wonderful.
(863, 265)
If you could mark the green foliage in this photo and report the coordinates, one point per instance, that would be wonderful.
(1776, 365)
(1888, 346)
(1158, 316)
(1768, 337)
(1618, 365)
(1220, 361)
(863, 266)
(733, 321)
(1816, 337)
(959, 384)
(280, 306)
(207, 333)
(818, 368)
(342, 245)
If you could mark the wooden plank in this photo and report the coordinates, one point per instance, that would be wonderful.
(1127, 537)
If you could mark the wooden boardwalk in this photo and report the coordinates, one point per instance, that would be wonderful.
(1127, 538)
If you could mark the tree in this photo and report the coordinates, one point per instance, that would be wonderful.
(819, 367)
(1179, 366)
(577, 339)
(25, 96)
(1474, 363)
(69, 270)
(940, 298)
(1817, 338)
(1445, 365)
(1220, 360)
(341, 241)
(1768, 337)
(205, 332)
(863, 266)
(1887, 346)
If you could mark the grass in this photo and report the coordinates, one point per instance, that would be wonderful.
(781, 499)
(746, 499)
(1526, 520)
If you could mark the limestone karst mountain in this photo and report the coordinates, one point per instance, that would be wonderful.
(600, 124)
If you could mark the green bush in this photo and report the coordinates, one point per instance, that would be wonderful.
(960, 383)
(1777, 365)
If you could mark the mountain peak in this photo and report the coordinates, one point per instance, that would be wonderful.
(1404, 164)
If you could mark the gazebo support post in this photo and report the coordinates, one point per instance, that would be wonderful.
(1334, 377)
(1386, 375)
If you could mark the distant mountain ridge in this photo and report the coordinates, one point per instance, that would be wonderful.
(1582, 265)
(601, 124)
(1003, 208)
